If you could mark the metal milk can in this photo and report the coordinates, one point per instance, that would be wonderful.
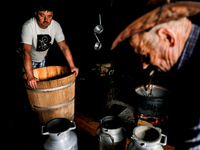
(60, 135)
(111, 134)
(147, 137)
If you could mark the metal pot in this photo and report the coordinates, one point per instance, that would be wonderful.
(152, 102)
(147, 137)
(99, 28)
(111, 134)
(60, 135)
(98, 44)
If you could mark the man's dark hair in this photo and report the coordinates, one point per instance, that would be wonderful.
(44, 5)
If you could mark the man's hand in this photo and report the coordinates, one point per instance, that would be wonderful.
(32, 82)
(75, 69)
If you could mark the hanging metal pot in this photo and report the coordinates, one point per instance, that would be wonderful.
(98, 44)
(99, 28)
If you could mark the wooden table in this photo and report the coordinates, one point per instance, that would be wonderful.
(89, 126)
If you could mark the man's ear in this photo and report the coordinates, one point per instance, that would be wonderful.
(168, 35)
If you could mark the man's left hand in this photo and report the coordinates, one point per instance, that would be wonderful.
(76, 70)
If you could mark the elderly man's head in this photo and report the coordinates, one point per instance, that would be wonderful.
(163, 44)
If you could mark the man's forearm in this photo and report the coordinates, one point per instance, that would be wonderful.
(27, 61)
(69, 57)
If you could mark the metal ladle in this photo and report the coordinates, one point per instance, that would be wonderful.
(150, 85)
(98, 44)
(99, 28)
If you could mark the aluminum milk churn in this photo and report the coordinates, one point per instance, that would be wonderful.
(60, 135)
(111, 134)
(147, 137)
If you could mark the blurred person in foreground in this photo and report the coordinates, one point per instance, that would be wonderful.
(168, 38)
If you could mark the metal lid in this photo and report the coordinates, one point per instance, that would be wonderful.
(58, 125)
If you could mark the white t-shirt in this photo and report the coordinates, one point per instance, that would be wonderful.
(40, 39)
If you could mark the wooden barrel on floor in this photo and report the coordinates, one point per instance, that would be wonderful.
(55, 93)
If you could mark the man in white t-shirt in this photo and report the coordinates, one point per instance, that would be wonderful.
(37, 36)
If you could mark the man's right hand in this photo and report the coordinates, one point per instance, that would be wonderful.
(27, 61)
(32, 82)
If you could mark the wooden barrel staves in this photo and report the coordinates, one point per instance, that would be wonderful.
(55, 93)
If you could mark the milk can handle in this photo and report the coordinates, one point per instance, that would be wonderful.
(133, 137)
(42, 131)
(106, 135)
(165, 140)
(74, 125)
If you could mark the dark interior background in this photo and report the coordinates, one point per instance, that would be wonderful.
(77, 19)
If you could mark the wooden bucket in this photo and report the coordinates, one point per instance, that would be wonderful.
(55, 93)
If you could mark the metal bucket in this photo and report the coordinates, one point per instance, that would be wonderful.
(152, 102)
(60, 135)
(147, 138)
(111, 134)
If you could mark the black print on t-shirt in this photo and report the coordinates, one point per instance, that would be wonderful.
(43, 42)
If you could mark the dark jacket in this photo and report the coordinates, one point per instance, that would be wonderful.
(185, 102)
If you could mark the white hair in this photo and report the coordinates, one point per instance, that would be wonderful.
(144, 42)
(151, 37)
